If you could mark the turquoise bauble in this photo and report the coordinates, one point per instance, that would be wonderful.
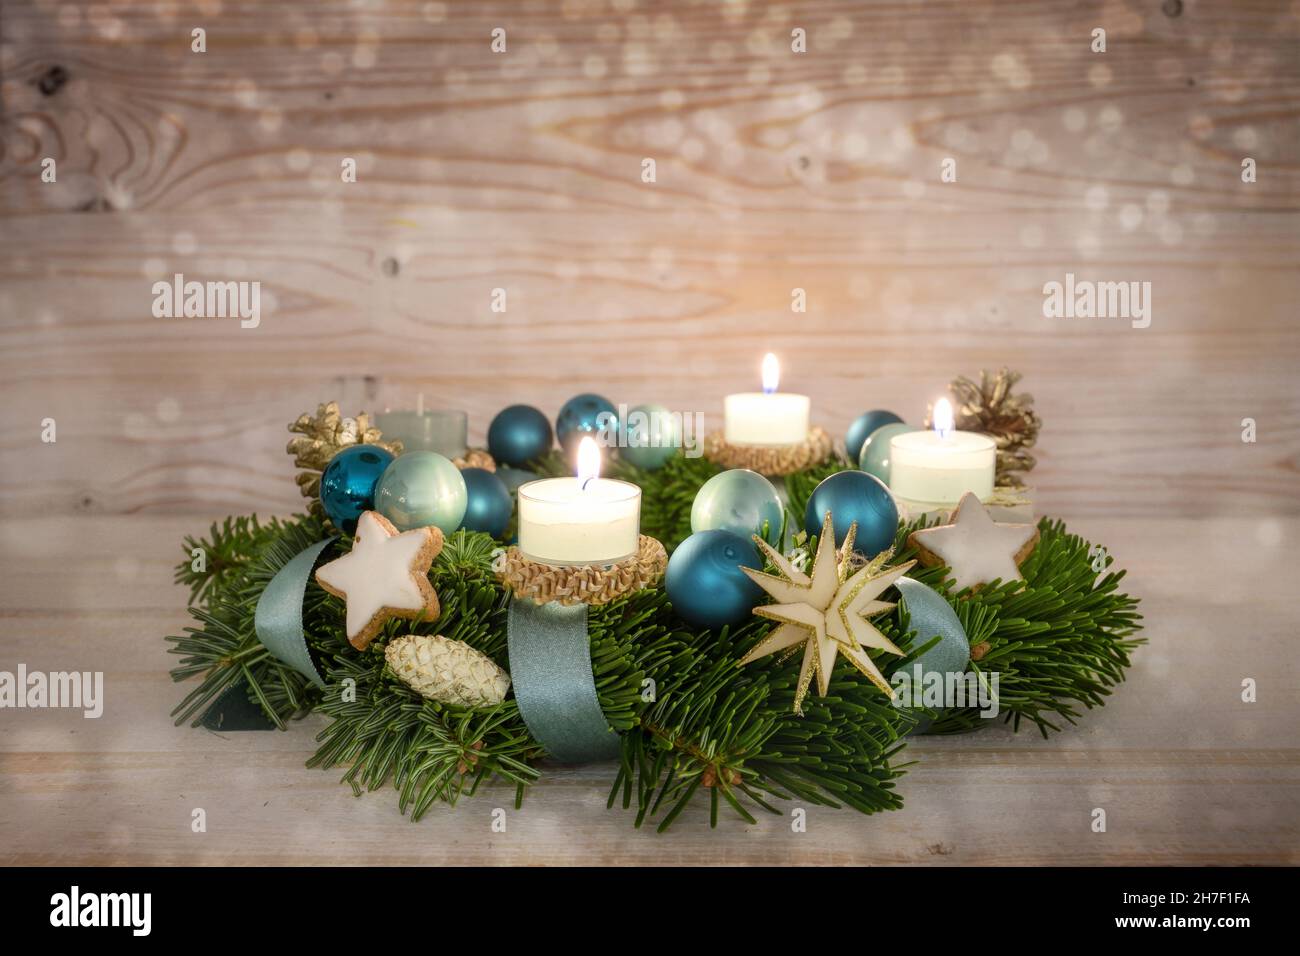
(854, 496)
(863, 426)
(874, 456)
(929, 615)
(740, 501)
(585, 414)
(422, 488)
(347, 486)
(650, 436)
(487, 504)
(518, 434)
(705, 583)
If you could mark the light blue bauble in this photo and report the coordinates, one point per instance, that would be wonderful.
(705, 583)
(873, 458)
(422, 488)
(739, 501)
(650, 436)
(854, 496)
(488, 503)
(518, 434)
(585, 414)
(347, 486)
(929, 615)
(863, 426)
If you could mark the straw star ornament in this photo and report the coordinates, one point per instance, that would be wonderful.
(825, 611)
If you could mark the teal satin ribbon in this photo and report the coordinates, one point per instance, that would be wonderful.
(931, 614)
(278, 617)
(550, 669)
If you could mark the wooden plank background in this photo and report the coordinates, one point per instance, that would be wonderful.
(521, 171)
(775, 171)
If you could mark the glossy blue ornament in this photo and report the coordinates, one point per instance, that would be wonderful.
(347, 486)
(705, 583)
(863, 426)
(854, 496)
(488, 502)
(586, 414)
(518, 434)
(874, 456)
(422, 488)
(740, 501)
(929, 615)
(650, 436)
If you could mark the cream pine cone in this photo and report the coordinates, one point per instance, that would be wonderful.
(448, 671)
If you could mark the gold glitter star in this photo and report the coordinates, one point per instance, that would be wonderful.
(826, 611)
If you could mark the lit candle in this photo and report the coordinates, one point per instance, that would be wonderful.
(768, 417)
(582, 520)
(935, 468)
(442, 431)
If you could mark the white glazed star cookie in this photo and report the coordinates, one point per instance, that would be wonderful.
(975, 548)
(386, 574)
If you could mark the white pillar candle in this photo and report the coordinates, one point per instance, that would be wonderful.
(768, 417)
(937, 467)
(585, 520)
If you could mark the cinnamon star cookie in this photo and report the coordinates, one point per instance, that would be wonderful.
(386, 574)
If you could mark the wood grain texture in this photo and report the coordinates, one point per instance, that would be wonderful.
(1186, 772)
(521, 171)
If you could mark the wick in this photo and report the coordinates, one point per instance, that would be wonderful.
(586, 482)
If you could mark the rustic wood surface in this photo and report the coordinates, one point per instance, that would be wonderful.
(775, 171)
(1186, 772)
(521, 171)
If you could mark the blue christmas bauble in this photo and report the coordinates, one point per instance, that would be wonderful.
(740, 501)
(487, 504)
(519, 434)
(930, 615)
(650, 436)
(422, 488)
(585, 414)
(863, 426)
(874, 456)
(347, 486)
(704, 580)
(854, 496)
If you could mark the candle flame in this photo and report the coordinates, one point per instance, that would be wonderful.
(771, 373)
(942, 417)
(588, 461)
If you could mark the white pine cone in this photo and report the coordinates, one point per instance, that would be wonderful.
(448, 671)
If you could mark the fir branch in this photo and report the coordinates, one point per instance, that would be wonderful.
(223, 558)
(1060, 640)
(224, 648)
(731, 732)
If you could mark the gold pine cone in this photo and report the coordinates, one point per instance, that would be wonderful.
(322, 436)
(448, 671)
